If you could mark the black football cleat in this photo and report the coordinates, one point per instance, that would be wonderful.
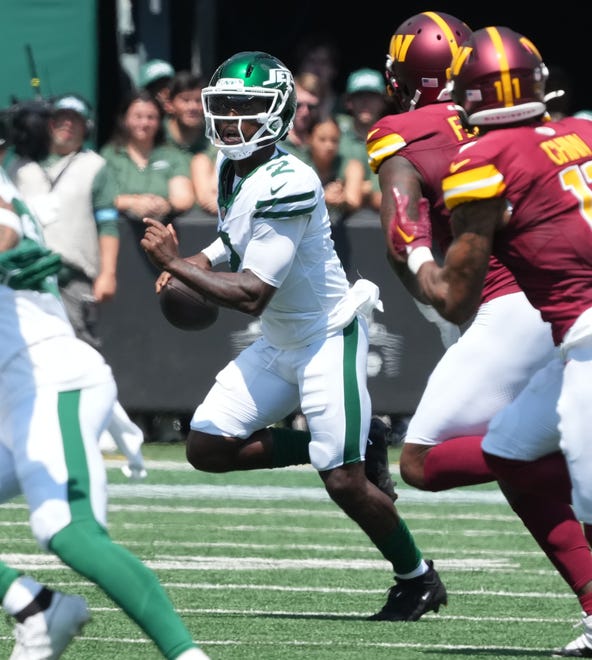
(409, 600)
(377, 464)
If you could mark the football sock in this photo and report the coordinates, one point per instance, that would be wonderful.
(87, 548)
(557, 531)
(8, 577)
(39, 604)
(399, 548)
(290, 447)
(20, 593)
(456, 462)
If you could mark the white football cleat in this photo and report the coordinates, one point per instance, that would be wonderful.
(581, 647)
(45, 635)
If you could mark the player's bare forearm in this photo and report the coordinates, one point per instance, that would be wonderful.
(242, 291)
(407, 278)
(455, 289)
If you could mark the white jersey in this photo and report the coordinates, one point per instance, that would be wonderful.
(31, 317)
(274, 222)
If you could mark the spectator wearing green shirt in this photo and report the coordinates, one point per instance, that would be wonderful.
(184, 123)
(365, 101)
(185, 128)
(152, 177)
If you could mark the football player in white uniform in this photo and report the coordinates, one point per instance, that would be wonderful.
(56, 397)
(274, 235)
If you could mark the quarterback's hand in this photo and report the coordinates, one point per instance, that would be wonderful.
(160, 243)
(405, 234)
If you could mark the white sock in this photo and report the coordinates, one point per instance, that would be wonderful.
(22, 592)
(420, 570)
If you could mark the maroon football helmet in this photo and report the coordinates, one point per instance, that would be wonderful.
(498, 78)
(420, 52)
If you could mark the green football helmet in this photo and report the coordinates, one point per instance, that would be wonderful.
(254, 86)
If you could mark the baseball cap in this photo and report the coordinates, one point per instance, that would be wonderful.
(584, 114)
(73, 103)
(154, 70)
(365, 80)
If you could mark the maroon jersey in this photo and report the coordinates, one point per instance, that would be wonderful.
(545, 172)
(428, 138)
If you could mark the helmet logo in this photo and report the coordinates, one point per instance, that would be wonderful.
(458, 60)
(400, 45)
(277, 76)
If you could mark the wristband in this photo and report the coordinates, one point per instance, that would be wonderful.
(418, 257)
(215, 252)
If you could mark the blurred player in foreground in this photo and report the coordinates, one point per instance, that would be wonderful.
(56, 397)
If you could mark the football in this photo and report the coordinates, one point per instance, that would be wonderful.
(185, 308)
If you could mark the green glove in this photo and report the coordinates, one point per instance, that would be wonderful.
(27, 265)
(33, 276)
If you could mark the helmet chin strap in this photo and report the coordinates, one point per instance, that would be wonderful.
(239, 152)
(246, 149)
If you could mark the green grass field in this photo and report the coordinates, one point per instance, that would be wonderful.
(263, 566)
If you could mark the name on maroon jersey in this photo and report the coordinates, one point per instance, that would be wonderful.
(458, 130)
(565, 149)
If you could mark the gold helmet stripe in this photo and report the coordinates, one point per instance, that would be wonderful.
(507, 95)
(443, 25)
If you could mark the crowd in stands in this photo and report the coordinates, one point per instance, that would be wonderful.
(163, 114)
(159, 162)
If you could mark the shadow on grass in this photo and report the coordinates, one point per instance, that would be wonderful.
(314, 617)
